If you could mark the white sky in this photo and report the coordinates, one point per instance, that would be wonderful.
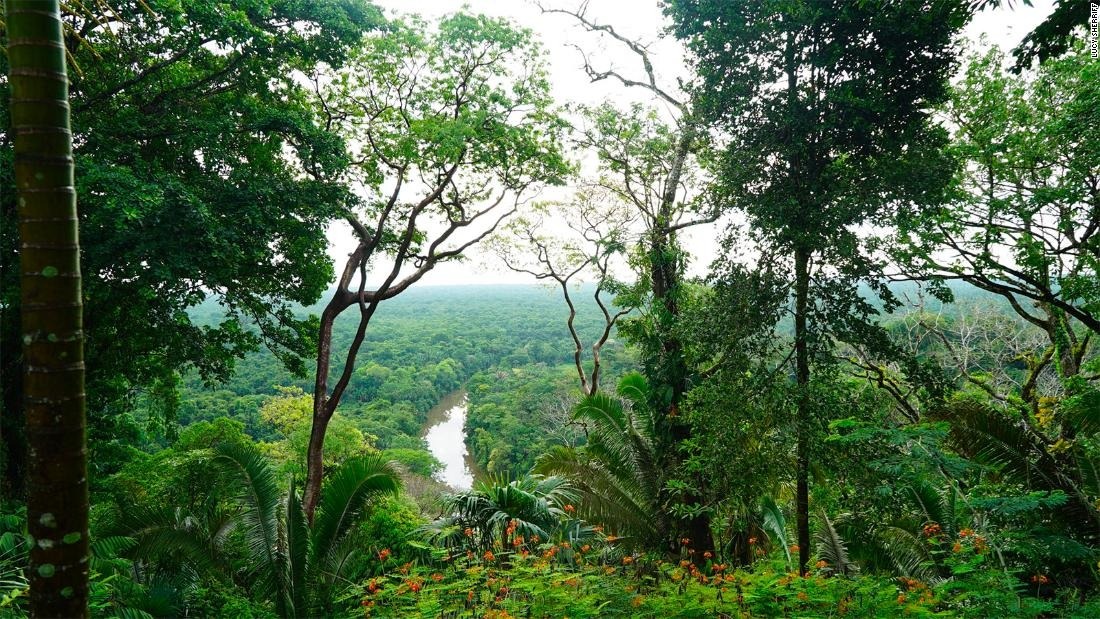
(641, 20)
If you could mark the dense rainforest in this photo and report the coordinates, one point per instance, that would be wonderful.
(808, 327)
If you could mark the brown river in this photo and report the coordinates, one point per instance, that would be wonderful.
(446, 436)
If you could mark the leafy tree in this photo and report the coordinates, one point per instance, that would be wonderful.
(451, 126)
(203, 171)
(290, 415)
(51, 312)
(823, 111)
(651, 164)
(1024, 227)
(730, 333)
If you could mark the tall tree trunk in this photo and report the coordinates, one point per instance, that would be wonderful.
(665, 276)
(51, 311)
(802, 378)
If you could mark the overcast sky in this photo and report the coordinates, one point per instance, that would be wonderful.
(640, 20)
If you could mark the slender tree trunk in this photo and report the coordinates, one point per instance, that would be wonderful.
(802, 378)
(51, 311)
(321, 414)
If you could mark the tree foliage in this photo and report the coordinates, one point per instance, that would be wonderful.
(450, 126)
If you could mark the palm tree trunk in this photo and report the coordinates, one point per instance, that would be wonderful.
(51, 311)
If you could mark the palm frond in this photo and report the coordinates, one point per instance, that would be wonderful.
(259, 495)
(346, 494)
(908, 554)
(602, 410)
(990, 438)
(604, 498)
(933, 504)
(157, 534)
(298, 549)
(635, 388)
(774, 523)
(108, 549)
(831, 548)
(126, 612)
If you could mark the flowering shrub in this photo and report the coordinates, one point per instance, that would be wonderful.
(552, 579)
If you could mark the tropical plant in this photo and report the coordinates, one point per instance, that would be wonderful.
(299, 567)
(14, 547)
(1066, 473)
(832, 549)
(616, 473)
(534, 506)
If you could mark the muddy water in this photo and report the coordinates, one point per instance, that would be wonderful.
(446, 436)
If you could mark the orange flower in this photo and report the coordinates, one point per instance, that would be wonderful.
(586, 548)
(518, 541)
(794, 548)
(384, 554)
(437, 577)
(469, 532)
(707, 555)
(373, 587)
(569, 508)
(752, 540)
(685, 541)
(966, 533)
(956, 547)
(685, 563)
(415, 586)
(802, 596)
(902, 598)
(628, 560)
(822, 564)
(405, 568)
(488, 556)
(931, 529)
